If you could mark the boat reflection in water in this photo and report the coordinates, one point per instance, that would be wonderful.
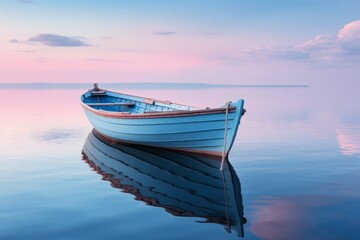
(183, 184)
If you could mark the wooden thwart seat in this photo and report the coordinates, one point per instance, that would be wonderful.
(130, 104)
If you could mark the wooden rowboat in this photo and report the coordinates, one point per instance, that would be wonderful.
(184, 184)
(163, 124)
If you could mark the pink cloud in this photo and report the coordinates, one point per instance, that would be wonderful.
(343, 47)
(349, 36)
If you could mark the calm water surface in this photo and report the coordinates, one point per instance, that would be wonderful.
(296, 162)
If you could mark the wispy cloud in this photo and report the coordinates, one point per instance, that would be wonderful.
(25, 51)
(108, 38)
(258, 54)
(55, 40)
(101, 60)
(166, 33)
(286, 53)
(41, 59)
(211, 33)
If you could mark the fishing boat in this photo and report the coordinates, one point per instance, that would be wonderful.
(184, 184)
(164, 124)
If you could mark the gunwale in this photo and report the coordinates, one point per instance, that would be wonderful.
(167, 114)
(159, 114)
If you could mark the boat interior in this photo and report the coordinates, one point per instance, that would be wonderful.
(116, 102)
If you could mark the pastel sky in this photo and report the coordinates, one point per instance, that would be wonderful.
(210, 41)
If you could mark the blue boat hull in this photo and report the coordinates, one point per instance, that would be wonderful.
(192, 130)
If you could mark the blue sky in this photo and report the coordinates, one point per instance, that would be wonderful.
(210, 41)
